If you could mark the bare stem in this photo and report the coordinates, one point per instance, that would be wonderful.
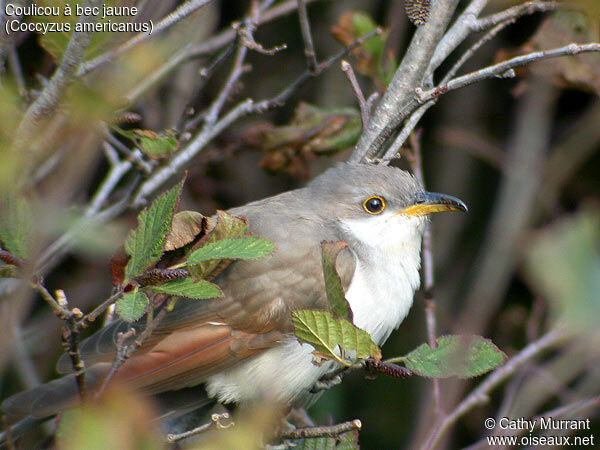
(326, 431)
(309, 48)
(504, 68)
(92, 316)
(362, 103)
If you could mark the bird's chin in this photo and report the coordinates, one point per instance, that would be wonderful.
(386, 230)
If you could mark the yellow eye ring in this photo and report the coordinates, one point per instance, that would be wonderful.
(374, 205)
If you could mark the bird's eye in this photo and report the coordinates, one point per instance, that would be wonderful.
(374, 204)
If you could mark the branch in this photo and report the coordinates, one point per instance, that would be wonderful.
(428, 271)
(362, 103)
(216, 421)
(124, 352)
(398, 101)
(180, 13)
(309, 48)
(480, 394)
(50, 97)
(515, 12)
(326, 431)
(408, 128)
(504, 68)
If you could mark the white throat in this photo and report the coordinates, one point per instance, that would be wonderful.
(388, 254)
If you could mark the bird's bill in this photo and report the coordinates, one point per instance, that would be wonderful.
(432, 202)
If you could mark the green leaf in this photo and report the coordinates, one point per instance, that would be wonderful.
(460, 356)
(15, 225)
(333, 284)
(373, 57)
(152, 143)
(325, 333)
(562, 265)
(145, 243)
(227, 227)
(190, 288)
(248, 247)
(132, 306)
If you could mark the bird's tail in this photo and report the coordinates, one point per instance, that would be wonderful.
(50, 398)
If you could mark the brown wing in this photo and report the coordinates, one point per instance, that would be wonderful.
(200, 338)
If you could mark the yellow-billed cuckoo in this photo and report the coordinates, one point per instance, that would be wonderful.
(242, 346)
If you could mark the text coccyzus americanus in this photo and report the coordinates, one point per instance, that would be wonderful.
(242, 347)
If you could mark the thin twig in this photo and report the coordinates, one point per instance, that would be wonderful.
(17, 72)
(480, 394)
(124, 352)
(309, 48)
(216, 422)
(62, 312)
(120, 358)
(326, 431)
(362, 103)
(134, 155)
(206, 72)
(393, 150)
(515, 12)
(416, 165)
(237, 69)
(504, 68)
(92, 316)
(52, 94)
(246, 30)
(180, 13)
(476, 46)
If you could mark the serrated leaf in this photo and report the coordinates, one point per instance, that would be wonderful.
(227, 227)
(333, 284)
(248, 247)
(460, 356)
(325, 333)
(132, 306)
(145, 243)
(189, 288)
(152, 143)
(186, 227)
(15, 225)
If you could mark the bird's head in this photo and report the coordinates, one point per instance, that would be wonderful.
(378, 206)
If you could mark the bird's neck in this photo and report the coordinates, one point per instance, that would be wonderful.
(386, 277)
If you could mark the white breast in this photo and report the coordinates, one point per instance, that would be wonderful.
(380, 295)
(387, 274)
